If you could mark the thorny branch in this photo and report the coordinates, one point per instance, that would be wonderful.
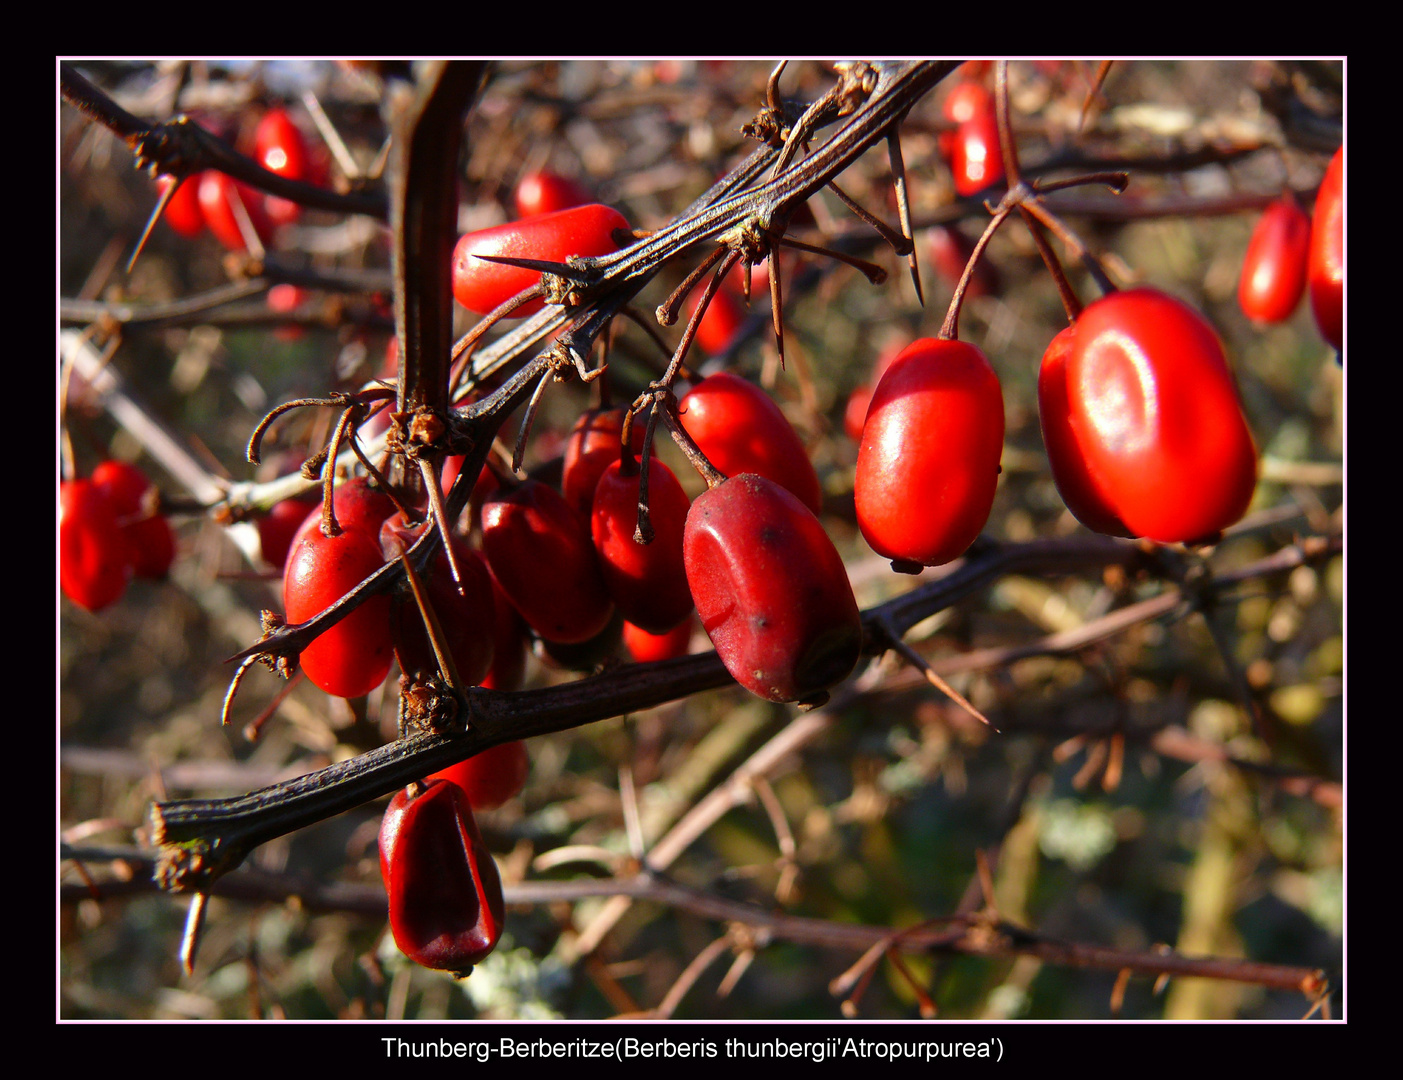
(204, 838)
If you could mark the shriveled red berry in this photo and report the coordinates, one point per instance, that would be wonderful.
(771, 589)
(446, 908)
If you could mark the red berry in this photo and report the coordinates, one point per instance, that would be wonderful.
(588, 656)
(723, 318)
(492, 777)
(277, 528)
(971, 70)
(1274, 267)
(218, 197)
(976, 157)
(94, 562)
(855, 415)
(1079, 488)
(1155, 411)
(481, 286)
(648, 582)
(967, 99)
(285, 299)
(740, 429)
(595, 442)
(541, 554)
(183, 212)
(357, 506)
(446, 907)
(352, 657)
(645, 647)
(771, 589)
(1327, 253)
(279, 146)
(149, 537)
(928, 465)
(546, 192)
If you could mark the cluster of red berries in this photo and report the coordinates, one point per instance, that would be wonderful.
(214, 200)
(1140, 416)
(1290, 250)
(109, 532)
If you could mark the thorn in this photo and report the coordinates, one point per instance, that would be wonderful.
(772, 85)
(733, 976)
(165, 198)
(437, 639)
(923, 999)
(633, 824)
(902, 245)
(252, 240)
(903, 207)
(194, 924)
(558, 269)
(519, 452)
(923, 666)
(441, 520)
